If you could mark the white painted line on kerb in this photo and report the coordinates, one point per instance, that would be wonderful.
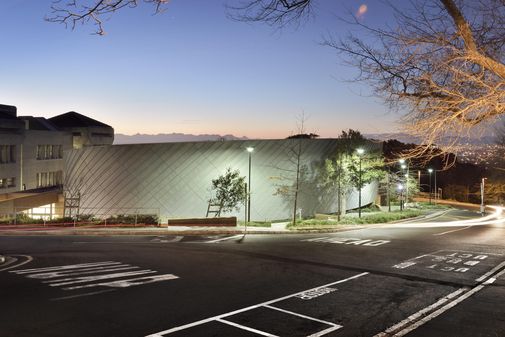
(489, 273)
(421, 313)
(225, 239)
(243, 327)
(443, 309)
(409, 328)
(454, 230)
(215, 318)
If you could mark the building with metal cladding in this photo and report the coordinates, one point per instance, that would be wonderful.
(173, 180)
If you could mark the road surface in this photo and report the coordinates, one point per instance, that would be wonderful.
(394, 280)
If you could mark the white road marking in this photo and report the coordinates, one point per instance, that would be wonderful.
(61, 276)
(28, 259)
(421, 313)
(491, 272)
(454, 230)
(214, 318)
(309, 295)
(57, 274)
(84, 279)
(408, 327)
(333, 325)
(494, 218)
(445, 261)
(72, 266)
(243, 327)
(225, 239)
(348, 241)
(130, 282)
(82, 295)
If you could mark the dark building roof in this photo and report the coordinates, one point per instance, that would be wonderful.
(73, 119)
(38, 123)
(8, 111)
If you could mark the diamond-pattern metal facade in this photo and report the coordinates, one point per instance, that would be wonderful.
(174, 179)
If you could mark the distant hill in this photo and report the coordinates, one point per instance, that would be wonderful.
(169, 138)
(409, 139)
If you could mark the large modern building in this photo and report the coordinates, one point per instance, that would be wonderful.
(173, 180)
(67, 165)
(31, 155)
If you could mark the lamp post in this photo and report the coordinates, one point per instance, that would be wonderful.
(430, 171)
(400, 188)
(405, 165)
(436, 189)
(360, 152)
(482, 196)
(249, 149)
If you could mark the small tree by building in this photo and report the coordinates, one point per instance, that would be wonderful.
(229, 191)
(372, 169)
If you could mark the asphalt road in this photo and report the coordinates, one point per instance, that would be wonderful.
(383, 281)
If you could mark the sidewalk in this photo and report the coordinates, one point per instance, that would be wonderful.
(277, 228)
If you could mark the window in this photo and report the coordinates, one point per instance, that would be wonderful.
(46, 179)
(7, 182)
(7, 154)
(49, 152)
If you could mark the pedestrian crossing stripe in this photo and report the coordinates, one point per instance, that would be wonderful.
(95, 274)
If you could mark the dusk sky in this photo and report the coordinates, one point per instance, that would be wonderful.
(190, 70)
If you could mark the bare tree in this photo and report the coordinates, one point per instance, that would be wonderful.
(273, 12)
(73, 12)
(293, 174)
(443, 62)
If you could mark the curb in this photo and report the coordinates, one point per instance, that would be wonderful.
(165, 231)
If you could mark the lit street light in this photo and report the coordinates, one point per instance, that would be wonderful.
(250, 150)
(430, 171)
(405, 165)
(482, 208)
(400, 188)
(360, 152)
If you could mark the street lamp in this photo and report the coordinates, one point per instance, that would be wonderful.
(249, 149)
(430, 171)
(482, 196)
(405, 165)
(360, 152)
(400, 188)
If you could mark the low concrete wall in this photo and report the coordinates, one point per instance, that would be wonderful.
(208, 222)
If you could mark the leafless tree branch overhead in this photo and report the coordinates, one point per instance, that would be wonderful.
(73, 12)
(442, 62)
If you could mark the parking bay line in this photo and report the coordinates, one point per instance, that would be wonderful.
(216, 318)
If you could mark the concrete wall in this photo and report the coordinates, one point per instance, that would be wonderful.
(176, 177)
(32, 165)
(11, 170)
